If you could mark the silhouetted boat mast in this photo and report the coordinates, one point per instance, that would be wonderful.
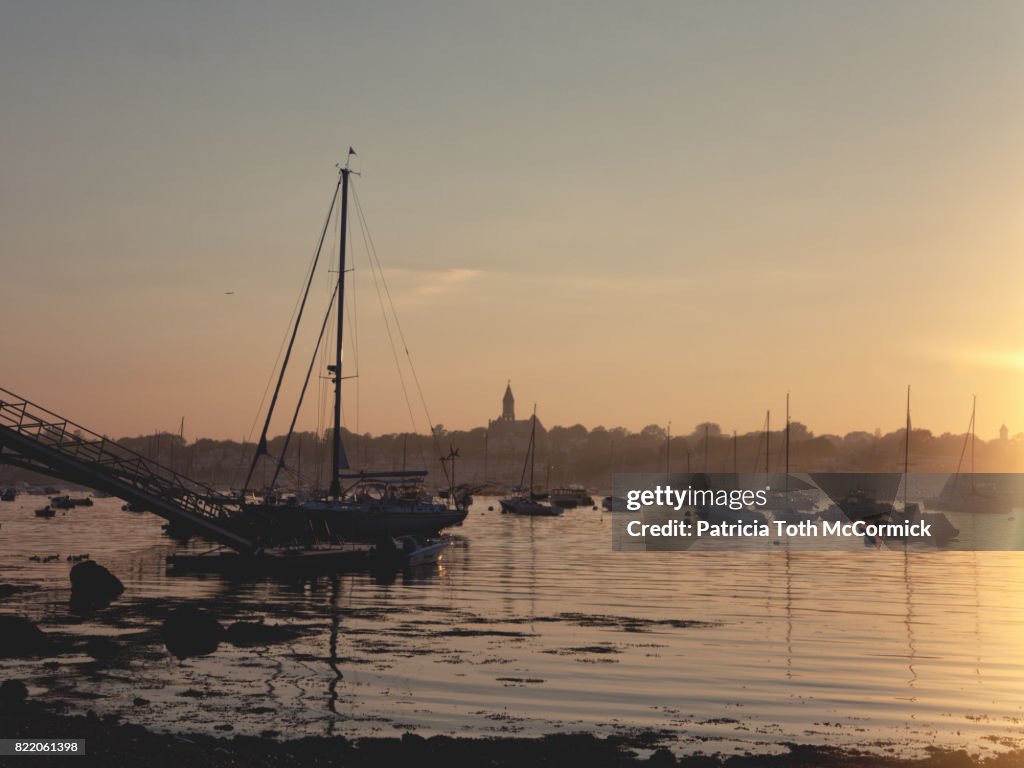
(735, 453)
(906, 453)
(787, 444)
(338, 458)
(668, 449)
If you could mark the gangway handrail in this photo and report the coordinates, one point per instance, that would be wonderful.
(53, 443)
(140, 458)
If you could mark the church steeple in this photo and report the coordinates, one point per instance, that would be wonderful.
(508, 404)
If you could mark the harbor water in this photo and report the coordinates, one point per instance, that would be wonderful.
(534, 626)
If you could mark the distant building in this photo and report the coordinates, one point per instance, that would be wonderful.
(1004, 433)
(507, 432)
(508, 405)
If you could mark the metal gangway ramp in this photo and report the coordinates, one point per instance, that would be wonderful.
(33, 438)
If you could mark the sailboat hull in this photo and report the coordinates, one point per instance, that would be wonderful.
(359, 521)
(370, 521)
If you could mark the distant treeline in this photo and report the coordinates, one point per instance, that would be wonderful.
(495, 455)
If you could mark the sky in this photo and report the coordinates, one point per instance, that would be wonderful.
(637, 212)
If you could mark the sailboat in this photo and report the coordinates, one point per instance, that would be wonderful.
(942, 531)
(791, 503)
(359, 505)
(960, 494)
(524, 502)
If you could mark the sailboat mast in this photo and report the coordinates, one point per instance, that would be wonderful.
(787, 433)
(974, 408)
(533, 447)
(336, 455)
(787, 443)
(668, 448)
(767, 442)
(906, 453)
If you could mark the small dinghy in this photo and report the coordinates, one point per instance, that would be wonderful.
(420, 550)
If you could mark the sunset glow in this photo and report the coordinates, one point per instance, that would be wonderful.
(593, 221)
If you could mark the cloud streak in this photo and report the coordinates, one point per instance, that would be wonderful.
(443, 281)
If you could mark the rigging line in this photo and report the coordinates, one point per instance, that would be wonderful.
(324, 383)
(963, 449)
(352, 315)
(302, 394)
(325, 396)
(372, 250)
(526, 463)
(780, 457)
(757, 457)
(321, 413)
(320, 443)
(387, 324)
(256, 417)
(322, 388)
(284, 339)
(355, 359)
(261, 446)
(372, 257)
(401, 334)
(354, 325)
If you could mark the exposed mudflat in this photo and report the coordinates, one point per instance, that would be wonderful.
(110, 742)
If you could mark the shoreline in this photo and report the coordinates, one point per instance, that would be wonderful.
(111, 741)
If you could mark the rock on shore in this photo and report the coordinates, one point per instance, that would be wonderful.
(93, 585)
(191, 631)
(19, 637)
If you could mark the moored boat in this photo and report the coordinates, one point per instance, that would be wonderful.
(524, 505)
(359, 505)
(526, 501)
(66, 502)
(411, 551)
(570, 497)
(941, 530)
(365, 513)
(969, 492)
